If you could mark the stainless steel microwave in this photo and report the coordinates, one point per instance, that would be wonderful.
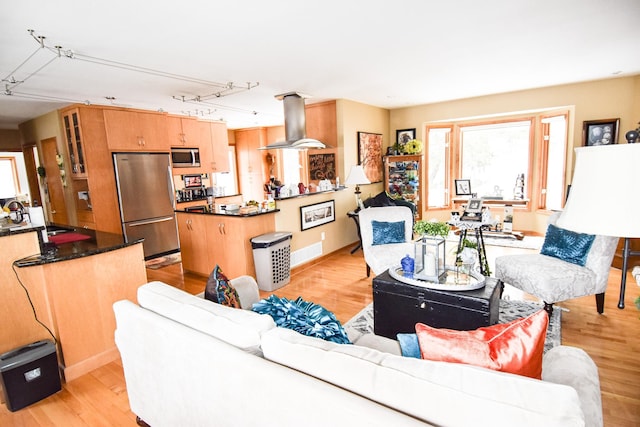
(185, 157)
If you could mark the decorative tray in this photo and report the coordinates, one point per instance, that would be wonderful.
(476, 280)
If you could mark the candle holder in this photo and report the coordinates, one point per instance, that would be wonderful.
(429, 259)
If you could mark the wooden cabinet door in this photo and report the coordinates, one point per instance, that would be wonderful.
(56, 202)
(227, 246)
(135, 131)
(73, 139)
(219, 147)
(174, 131)
(192, 229)
(250, 162)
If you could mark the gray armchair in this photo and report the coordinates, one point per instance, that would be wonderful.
(554, 280)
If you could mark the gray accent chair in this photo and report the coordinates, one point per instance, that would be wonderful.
(554, 280)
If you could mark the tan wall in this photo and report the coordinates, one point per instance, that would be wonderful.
(602, 99)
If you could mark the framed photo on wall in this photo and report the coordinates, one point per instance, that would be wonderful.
(370, 155)
(317, 214)
(405, 135)
(600, 132)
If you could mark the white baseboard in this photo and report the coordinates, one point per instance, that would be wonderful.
(306, 254)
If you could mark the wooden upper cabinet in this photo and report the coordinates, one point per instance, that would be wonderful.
(219, 147)
(251, 163)
(136, 131)
(73, 139)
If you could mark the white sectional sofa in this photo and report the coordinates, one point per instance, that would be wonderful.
(188, 361)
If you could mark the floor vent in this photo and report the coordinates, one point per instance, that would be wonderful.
(306, 254)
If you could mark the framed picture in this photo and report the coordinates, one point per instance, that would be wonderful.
(463, 187)
(370, 155)
(600, 132)
(317, 214)
(405, 135)
(322, 166)
(473, 211)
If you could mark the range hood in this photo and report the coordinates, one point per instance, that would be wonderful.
(294, 125)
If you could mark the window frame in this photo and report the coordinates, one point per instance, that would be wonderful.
(534, 182)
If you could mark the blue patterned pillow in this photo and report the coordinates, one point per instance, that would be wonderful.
(567, 245)
(387, 232)
(304, 317)
(219, 289)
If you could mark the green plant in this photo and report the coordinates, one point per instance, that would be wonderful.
(431, 228)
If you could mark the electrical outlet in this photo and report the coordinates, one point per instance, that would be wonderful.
(322, 235)
(83, 195)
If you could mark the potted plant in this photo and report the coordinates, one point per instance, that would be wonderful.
(431, 228)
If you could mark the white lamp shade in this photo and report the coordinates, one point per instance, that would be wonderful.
(357, 176)
(604, 197)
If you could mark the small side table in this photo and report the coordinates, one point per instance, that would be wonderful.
(354, 215)
(477, 227)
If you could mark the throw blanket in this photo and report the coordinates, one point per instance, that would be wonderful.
(304, 317)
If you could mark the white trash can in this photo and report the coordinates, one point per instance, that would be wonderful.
(272, 258)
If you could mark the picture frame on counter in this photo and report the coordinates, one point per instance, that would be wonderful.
(317, 214)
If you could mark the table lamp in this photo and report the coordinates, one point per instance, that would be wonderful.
(357, 177)
(604, 197)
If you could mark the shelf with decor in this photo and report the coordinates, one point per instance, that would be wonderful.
(403, 179)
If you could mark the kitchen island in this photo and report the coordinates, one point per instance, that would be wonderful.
(72, 288)
(210, 238)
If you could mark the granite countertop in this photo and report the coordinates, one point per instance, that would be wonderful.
(10, 230)
(93, 243)
(232, 214)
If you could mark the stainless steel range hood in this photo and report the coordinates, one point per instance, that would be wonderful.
(294, 125)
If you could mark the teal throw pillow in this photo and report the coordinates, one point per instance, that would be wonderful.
(567, 245)
(409, 345)
(304, 317)
(387, 232)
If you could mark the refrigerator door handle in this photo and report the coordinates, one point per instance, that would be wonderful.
(170, 187)
(151, 221)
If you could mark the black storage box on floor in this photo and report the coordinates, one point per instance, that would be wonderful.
(398, 306)
(29, 374)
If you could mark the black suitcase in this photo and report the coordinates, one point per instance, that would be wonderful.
(398, 306)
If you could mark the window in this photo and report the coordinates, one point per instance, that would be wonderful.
(9, 180)
(226, 182)
(492, 154)
(553, 147)
(438, 179)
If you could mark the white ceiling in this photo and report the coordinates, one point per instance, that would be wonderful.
(378, 52)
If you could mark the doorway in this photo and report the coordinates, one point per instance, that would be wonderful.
(55, 204)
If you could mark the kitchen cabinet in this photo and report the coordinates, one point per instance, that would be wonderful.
(220, 147)
(129, 130)
(73, 139)
(100, 209)
(251, 164)
(403, 179)
(194, 243)
(224, 240)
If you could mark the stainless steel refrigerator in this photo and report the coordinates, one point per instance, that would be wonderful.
(147, 203)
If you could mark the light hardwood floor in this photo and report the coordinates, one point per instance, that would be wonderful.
(339, 283)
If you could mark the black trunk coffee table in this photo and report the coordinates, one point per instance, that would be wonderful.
(398, 306)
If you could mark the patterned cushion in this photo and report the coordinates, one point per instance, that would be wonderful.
(387, 232)
(567, 245)
(304, 317)
(219, 289)
(514, 347)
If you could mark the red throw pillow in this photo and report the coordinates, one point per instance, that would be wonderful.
(514, 347)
